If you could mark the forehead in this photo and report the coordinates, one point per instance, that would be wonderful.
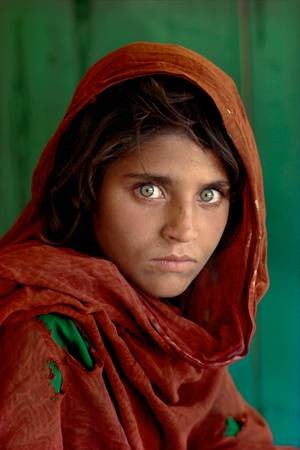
(175, 154)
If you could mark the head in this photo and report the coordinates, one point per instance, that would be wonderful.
(146, 175)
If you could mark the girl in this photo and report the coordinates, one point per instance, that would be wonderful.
(131, 279)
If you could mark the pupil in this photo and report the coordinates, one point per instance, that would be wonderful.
(147, 190)
(207, 195)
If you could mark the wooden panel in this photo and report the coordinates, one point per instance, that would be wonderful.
(187, 23)
(275, 50)
(40, 61)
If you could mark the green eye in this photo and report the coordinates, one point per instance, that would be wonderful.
(150, 191)
(210, 195)
(147, 190)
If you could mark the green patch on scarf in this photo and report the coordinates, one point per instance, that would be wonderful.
(56, 378)
(66, 334)
(232, 427)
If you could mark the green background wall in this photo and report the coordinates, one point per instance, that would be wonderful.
(46, 47)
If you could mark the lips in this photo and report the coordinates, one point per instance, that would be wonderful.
(174, 263)
(176, 258)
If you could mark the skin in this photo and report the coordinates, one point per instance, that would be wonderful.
(141, 219)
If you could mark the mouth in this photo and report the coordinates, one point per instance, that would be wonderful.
(173, 263)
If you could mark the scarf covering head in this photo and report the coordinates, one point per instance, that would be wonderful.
(150, 354)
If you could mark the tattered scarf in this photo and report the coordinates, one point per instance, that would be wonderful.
(87, 361)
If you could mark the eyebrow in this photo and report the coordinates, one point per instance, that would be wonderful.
(167, 181)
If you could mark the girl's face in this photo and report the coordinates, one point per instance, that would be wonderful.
(161, 213)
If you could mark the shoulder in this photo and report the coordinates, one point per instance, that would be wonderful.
(29, 403)
(30, 344)
(26, 351)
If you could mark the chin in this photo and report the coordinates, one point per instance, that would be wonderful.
(166, 291)
(162, 286)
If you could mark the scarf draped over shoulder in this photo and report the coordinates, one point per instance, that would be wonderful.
(159, 378)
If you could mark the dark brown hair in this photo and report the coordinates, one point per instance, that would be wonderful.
(118, 122)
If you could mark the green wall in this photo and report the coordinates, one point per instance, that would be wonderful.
(47, 45)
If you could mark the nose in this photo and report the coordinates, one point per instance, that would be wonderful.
(180, 224)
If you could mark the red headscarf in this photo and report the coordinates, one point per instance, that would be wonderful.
(168, 385)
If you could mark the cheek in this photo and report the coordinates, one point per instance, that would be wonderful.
(216, 225)
(222, 222)
(118, 227)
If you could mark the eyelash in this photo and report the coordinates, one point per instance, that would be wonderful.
(209, 188)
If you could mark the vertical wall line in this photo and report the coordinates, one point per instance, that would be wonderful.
(82, 12)
(19, 114)
(245, 55)
(247, 95)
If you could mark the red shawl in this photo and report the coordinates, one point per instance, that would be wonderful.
(160, 380)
